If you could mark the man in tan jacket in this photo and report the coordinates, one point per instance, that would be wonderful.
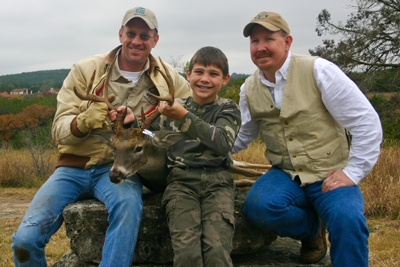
(85, 162)
(302, 106)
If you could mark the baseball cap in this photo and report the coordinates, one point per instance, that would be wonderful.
(144, 13)
(269, 20)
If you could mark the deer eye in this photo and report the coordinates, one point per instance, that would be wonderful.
(139, 148)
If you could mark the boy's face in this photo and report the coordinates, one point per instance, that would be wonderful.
(206, 82)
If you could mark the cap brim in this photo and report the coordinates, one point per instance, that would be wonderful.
(268, 26)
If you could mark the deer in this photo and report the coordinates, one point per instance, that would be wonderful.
(136, 150)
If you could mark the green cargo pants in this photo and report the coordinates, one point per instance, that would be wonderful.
(200, 210)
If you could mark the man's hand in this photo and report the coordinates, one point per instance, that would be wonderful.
(130, 117)
(176, 111)
(93, 117)
(336, 179)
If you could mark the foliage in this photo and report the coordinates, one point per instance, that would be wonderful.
(232, 89)
(30, 118)
(15, 105)
(389, 112)
(369, 43)
(37, 81)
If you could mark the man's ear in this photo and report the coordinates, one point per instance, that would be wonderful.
(156, 40)
(120, 35)
(288, 42)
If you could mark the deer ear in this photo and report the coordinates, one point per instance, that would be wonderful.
(166, 139)
(107, 137)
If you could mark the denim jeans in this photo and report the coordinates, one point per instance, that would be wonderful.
(277, 203)
(67, 185)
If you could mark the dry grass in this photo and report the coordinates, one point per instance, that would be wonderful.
(19, 168)
(384, 242)
(382, 186)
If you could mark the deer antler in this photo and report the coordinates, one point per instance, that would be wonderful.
(147, 121)
(96, 98)
(171, 87)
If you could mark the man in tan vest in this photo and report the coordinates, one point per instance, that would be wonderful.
(84, 164)
(302, 106)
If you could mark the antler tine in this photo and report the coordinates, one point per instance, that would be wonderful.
(119, 122)
(96, 98)
(105, 92)
(147, 121)
(171, 87)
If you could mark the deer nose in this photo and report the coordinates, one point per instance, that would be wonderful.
(116, 177)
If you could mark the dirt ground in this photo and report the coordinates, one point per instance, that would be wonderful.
(14, 202)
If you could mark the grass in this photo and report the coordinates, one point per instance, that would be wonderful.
(21, 168)
(380, 189)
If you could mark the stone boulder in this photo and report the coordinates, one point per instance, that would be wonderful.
(86, 225)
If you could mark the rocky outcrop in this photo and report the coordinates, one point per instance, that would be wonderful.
(86, 224)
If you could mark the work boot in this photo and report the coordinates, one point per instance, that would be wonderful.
(313, 251)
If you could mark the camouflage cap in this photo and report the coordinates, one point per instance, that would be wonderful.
(144, 13)
(269, 20)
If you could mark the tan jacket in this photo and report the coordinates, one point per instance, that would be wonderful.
(82, 150)
(302, 138)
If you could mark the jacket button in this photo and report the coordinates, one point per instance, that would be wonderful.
(286, 122)
(328, 153)
(300, 170)
(291, 139)
(272, 106)
(294, 155)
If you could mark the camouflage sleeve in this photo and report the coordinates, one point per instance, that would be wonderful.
(220, 134)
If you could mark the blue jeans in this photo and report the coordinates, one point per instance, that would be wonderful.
(277, 203)
(67, 185)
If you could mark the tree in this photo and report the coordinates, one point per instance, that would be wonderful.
(369, 43)
(177, 63)
(31, 117)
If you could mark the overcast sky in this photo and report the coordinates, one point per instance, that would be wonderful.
(47, 34)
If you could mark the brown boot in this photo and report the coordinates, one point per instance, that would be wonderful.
(313, 251)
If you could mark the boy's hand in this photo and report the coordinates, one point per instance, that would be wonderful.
(176, 111)
(130, 117)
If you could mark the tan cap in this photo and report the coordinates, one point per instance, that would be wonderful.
(269, 20)
(144, 13)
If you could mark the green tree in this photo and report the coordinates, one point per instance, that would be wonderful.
(369, 43)
(232, 89)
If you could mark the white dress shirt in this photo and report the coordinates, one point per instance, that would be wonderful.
(343, 99)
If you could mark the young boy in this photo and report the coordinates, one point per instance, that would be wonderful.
(199, 197)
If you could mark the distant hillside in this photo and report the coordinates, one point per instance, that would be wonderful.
(235, 75)
(37, 81)
(42, 81)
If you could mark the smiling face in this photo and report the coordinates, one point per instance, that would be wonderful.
(135, 51)
(206, 81)
(269, 50)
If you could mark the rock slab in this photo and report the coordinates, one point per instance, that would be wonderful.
(86, 224)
